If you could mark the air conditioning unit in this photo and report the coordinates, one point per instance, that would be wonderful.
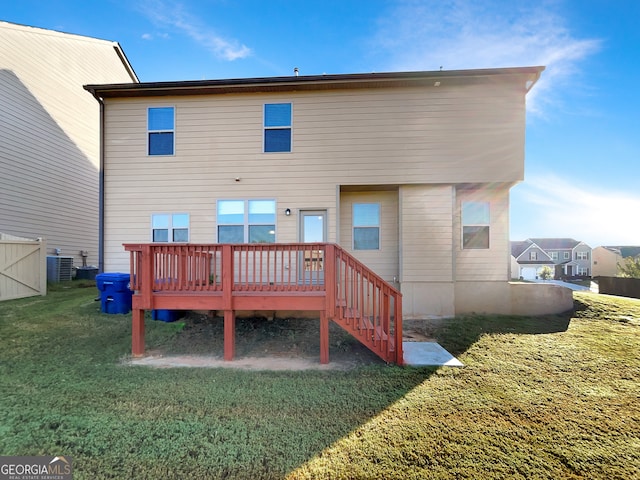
(59, 269)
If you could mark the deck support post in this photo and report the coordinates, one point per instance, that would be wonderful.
(324, 338)
(229, 334)
(137, 332)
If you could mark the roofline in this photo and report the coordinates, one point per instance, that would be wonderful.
(125, 61)
(308, 82)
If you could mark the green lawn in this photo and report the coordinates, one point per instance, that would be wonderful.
(550, 397)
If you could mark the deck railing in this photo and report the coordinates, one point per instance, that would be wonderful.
(272, 276)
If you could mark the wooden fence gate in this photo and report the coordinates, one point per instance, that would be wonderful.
(23, 267)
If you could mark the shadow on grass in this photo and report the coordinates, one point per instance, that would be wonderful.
(460, 333)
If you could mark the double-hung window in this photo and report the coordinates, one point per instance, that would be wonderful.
(533, 255)
(170, 227)
(582, 255)
(475, 225)
(553, 255)
(246, 221)
(277, 127)
(161, 130)
(366, 226)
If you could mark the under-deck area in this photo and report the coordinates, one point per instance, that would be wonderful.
(309, 277)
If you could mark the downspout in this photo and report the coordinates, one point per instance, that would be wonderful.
(101, 193)
(100, 182)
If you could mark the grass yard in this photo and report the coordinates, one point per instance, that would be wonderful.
(550, 397)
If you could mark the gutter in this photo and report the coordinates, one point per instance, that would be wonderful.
(101, 192)
(100, 185)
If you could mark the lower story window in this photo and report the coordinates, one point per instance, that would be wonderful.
(583, 271)
(170, 227)
(475, 225)
(366, 226)
(246, 221)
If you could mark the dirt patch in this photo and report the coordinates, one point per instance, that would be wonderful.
(261, 343)
(267, 344)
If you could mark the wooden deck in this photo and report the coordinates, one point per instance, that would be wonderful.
(320, 277)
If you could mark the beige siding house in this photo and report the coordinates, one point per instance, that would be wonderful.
(50, 135)
(409, 171)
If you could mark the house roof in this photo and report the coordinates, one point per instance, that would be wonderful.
(528, 76)
(556, 243)
(518, 247)
(624, 251)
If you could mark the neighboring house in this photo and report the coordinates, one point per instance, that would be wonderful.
(50, 135)
(607, 259)
(409, 171)
(528, 260)
(567, 257)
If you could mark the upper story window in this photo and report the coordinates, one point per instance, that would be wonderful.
(553, 255)
(567, 255)
(277, 127)
(161, 130)
(475, 225)
(533, 255)
(366, 226)
(582, 255)
(246, 221)
(170, 227)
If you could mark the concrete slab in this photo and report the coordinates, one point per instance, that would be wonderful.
(426, 354)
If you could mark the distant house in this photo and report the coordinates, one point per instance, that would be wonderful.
(567, 257)
(50, 135)
(606, 259)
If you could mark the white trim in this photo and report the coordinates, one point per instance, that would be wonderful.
(149, 131)
(170, 229)
(379, 227)
(264, 127)
(245, 214)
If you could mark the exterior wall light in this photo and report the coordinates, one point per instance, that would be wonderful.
(287, 212)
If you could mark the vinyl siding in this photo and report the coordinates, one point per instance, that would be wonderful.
(49, 135)
(398, 136)
(427, 232)
(385, 260)
(490, 264)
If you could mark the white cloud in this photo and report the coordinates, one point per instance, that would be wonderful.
(147, 36)
(174, 16)
(462, 34)
(548, 206)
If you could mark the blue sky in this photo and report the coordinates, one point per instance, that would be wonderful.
(583, 132)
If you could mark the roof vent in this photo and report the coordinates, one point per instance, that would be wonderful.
(296, 71)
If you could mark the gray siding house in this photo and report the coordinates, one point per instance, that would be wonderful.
(567, 257)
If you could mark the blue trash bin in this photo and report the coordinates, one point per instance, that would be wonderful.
(166, 315)
(115, 296)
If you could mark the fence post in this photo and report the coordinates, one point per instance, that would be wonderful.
(43, 265)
